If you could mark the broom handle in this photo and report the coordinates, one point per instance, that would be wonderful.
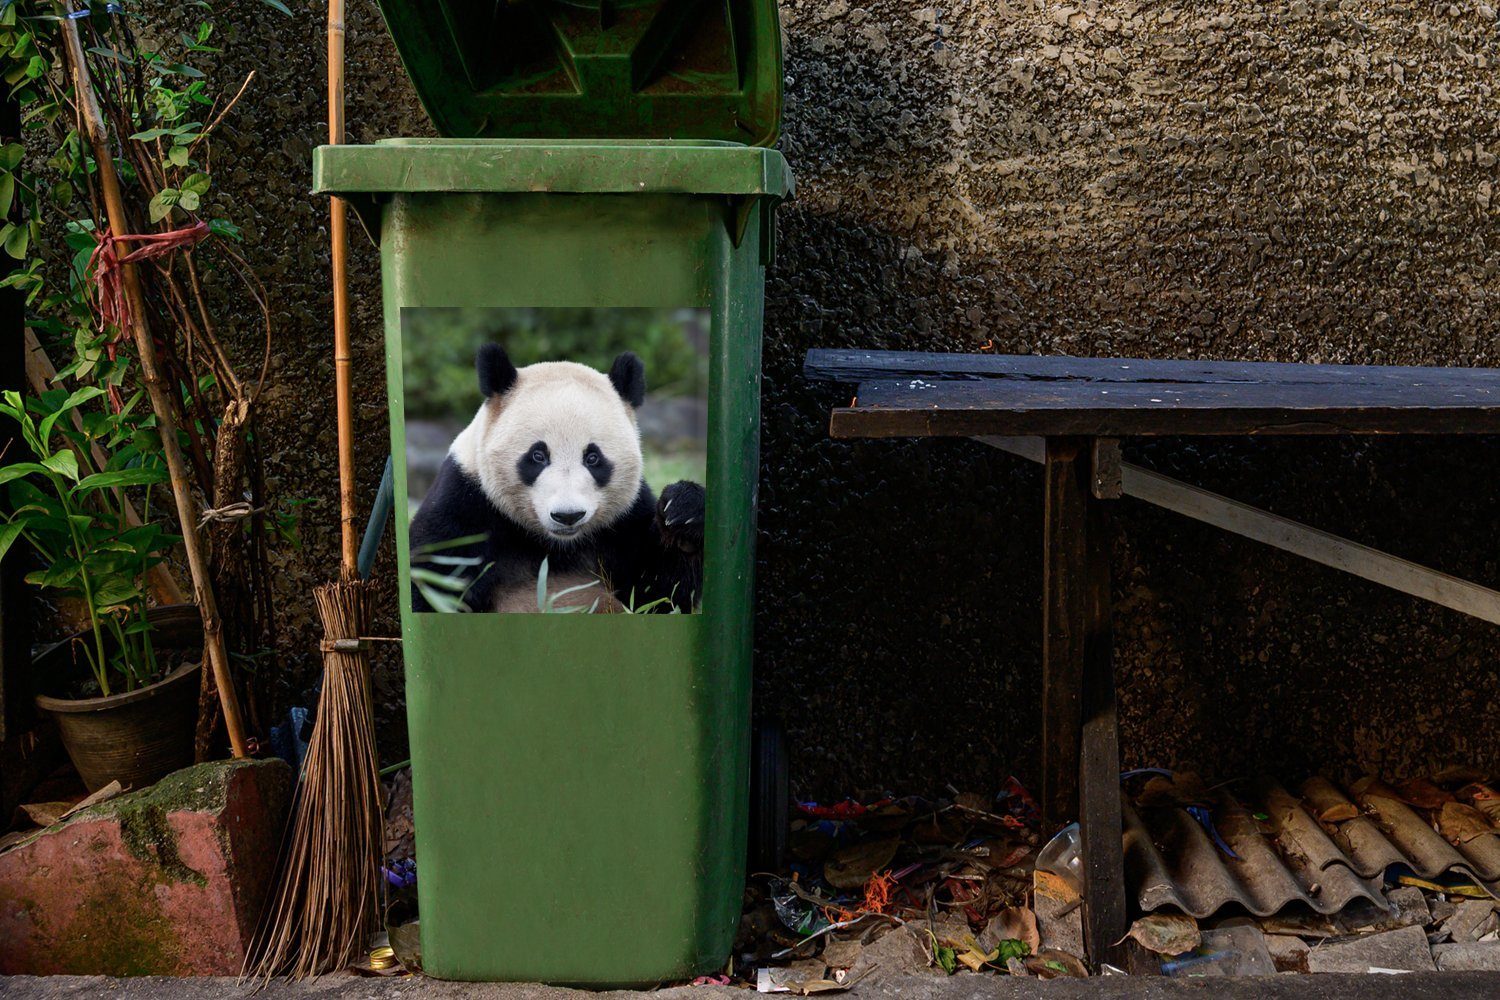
(342, 359)
(161, 404)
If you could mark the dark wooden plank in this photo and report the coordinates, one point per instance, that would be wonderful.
(865, 366)
(1064, 621)
(1100, 826)
(930, 408)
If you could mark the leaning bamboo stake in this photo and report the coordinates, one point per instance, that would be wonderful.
(161, 403)
(327, 901)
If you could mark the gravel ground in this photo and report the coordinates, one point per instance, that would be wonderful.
(1435, 986)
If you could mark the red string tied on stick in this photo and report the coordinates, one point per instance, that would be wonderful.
(105, 264)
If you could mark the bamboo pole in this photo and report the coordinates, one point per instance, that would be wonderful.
(342, 356)
(327, 901)
(40, 372)
(161, 403)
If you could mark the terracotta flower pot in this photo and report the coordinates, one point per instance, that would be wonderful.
(139, 736)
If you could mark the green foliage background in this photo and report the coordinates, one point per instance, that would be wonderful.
(440, 344)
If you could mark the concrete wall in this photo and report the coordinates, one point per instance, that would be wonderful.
(1300, 181)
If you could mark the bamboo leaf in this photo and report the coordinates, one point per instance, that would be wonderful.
(9, 532)
(77, 398)
(20, 469)
(63, 462)
(121, 477)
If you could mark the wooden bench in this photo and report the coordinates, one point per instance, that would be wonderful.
(1069, 414)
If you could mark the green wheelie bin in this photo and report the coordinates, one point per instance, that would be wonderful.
(605, 186)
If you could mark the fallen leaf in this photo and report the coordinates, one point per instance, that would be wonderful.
(841, 954)
(1166, 933)
(45, 813)
(1339, 812)
(1458, 774)
(1017, 967)
(1326, 802)
(1460, 824)
(976, 957)
(1484, 798)
(104, 794)
(973, 959)
(1371, 787)
(1423, 794)
(1014, 923)
(851, 867)
(1053, 964)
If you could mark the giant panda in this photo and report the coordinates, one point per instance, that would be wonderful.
(550, 468)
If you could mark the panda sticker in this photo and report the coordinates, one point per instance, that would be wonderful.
(541, 503)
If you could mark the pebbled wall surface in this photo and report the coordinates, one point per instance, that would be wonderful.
(1301, 181)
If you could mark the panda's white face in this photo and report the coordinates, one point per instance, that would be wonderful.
(558, 452)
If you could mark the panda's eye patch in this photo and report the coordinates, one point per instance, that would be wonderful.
(599, 466)
(530, 465)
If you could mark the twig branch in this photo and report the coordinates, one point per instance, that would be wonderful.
(161, 403)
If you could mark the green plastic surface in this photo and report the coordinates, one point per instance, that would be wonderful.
(656, 69)
(580, 780)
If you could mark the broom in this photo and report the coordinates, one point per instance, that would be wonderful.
(328, 899)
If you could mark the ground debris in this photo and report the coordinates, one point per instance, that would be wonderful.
(1404, 949)
(1472, 920)
(1288, 953)
(884, 886)
(1166, 933)
(1473, 956)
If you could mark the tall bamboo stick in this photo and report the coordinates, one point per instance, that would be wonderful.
(342, 356)
(161, 403)
(327, 899)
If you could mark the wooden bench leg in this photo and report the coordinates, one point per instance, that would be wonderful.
(1100, 824)
(1064, 616)
(1080, 737)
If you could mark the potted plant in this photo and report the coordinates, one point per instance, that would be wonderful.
(122, 690)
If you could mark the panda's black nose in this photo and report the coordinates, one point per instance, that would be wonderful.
(567, 518)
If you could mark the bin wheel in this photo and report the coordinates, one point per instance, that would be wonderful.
(770, 795)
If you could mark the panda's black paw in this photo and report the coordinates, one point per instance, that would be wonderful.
(679, 516)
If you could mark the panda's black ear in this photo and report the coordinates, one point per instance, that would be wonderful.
(628, 375)
(496, 373)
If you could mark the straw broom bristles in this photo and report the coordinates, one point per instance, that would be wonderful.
(328, 893)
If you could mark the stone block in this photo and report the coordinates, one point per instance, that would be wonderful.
(167, 881)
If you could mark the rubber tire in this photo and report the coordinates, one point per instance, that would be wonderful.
(770, 798)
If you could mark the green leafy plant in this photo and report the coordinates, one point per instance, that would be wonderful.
(156, 75)
(78, 524)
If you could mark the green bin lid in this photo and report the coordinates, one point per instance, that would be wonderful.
(572, 69)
